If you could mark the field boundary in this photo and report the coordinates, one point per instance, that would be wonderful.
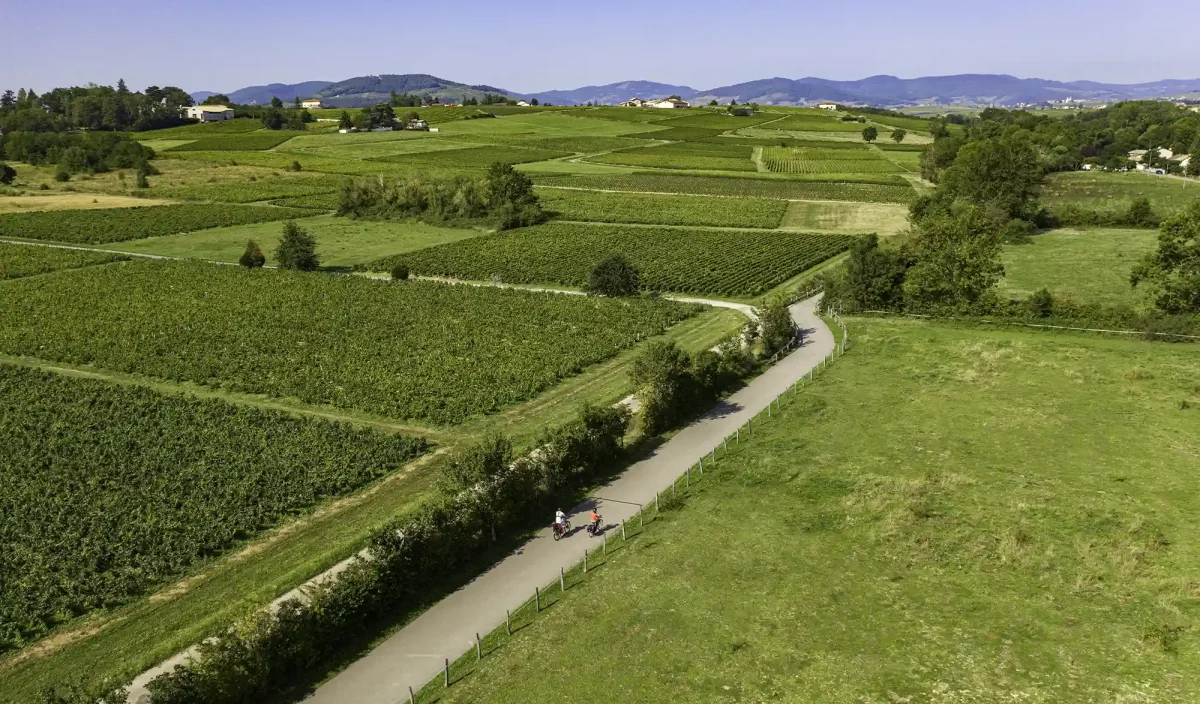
(1017, 323)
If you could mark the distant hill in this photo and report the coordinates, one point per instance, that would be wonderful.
(614, 93)
(883, 91)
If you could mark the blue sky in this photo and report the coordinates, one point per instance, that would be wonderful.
(536, 45)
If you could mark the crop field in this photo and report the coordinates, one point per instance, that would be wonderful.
(340, 242)
(751, 187)
(582, 145)
(318, 201)
(1087, 265)
(786, 141)
(908, 161)
(341, 149)
(1115, 191)
(405, 351)
(18, 260)
(889, 146)
(661, 209)
(852, 218)
(318, 163)
(70, 201)
(255, 141)
(907, 529)
(624, 114)
(910, 124)
(251, 191)
(825, 161)
(814, 123)
(120, 224)
(660, 157)
(542, 125)
(730, 262)
(111, 489)
(475, 157)
(239, 125)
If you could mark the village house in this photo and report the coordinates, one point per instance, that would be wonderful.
(310, 104)
(634, 103)
(523, 104)
(210, 113)
(826, 105)
(668, 103)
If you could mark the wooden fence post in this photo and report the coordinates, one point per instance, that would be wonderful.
(508, 621)
(447, 672)
(604, 545)
(562, 579)
(622, 531)
(478, 648)
(537, 600)
(585, 561)
(656, 504)
(687, 482)
(412, 699)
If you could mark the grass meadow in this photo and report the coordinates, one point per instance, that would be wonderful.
(1090, 265)
(981, 543)
(1114, 191)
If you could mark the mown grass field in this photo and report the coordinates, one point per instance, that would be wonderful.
(341, 242)
(981, 543)
(70, 201)
(661, 209)
(1089, 265)
(852, 218)
(790, 189)
(1114, 191)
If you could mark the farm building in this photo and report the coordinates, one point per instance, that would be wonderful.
(826, 105)
(310, 104)
(634, 103)
(668, 103)
(210, 113)
(417, 125)
(522, 104)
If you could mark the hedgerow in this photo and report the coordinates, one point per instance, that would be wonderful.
(108, 489)
(753, 187)
(652, 209)
(266, 653)
(122, 224)
(729, 262)
(17, 260)
(413, 350)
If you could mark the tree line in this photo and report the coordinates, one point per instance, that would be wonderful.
(93, 108)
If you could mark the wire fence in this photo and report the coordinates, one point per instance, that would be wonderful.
(593, 558)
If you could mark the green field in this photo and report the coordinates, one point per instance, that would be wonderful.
(251, 191)
(662, 210)
(18, 260)
(253, 141)
(110, 490)
(122, 224)
(475, 157)
(1088, 265)
(982, 543)
(723, 262)
(785, 160)
(341, 242)
(790, 189)
(851, 218)
(814, 123)
(344, 341)
(663, 157)
(1114, 191)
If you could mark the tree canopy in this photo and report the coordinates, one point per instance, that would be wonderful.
(1172, 271)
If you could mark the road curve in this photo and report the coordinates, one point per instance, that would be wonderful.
(416, 653)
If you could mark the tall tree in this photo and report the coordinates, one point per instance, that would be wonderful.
(296, 102)
(276, 102)
(122, 89)
(870, 134)
(898, 135)
(957, 258)
(297, 249)
(1172, 272)
(216, 99)
(345, 122)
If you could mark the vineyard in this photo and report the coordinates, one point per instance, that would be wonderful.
(728, 262)
(17, 260)
(679, 134)
(825, 161)
(240, 125)
(480, 157)
(320, 201)
(749, 187)
(109, 490)
(413, 350)
(720, 120)
(651, 209)
(663, 158)
(814, 123)
(122, 224)
(256, 141)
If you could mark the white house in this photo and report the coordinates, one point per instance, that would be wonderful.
(522, 104)
(634, 103)
(310, 104)
(210, 113)
(826, 105)
(668, 103)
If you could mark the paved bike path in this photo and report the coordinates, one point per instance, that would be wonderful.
(416, 653)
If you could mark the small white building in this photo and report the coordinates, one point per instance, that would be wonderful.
(310, 104)
(669, 103)
(210, 113)
(523, 104)
(634, 103)
(826, 105)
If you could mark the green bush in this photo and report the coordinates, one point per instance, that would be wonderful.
(297, 249)
(400, 272)
(253, 257)
(613, 276)
(7, 174)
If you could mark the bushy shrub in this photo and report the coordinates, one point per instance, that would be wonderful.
(7, 174)
(253, 257)
(613, 276)
(297, 249)
(672, 384)
(400, 272)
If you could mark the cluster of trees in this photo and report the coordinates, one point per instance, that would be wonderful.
(378, 115)
(1102, 137)
(78, 152)
(503, 197)
(92, 108)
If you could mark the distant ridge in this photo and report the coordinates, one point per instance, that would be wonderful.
(882, 91)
